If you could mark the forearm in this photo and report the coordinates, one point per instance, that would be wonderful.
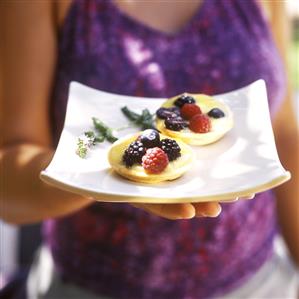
(24, 197)
(288, 193)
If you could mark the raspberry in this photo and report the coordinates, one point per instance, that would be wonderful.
(155, 160)
(133, 154)
(200, 123)
(189, 110)
(171, 148)
(184, 99)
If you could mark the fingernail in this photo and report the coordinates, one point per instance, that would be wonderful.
(201, 214)
(218, 212)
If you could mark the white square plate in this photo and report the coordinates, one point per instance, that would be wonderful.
(245, 161)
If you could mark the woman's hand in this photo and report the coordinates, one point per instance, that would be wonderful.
(182, 210)
(185, 210)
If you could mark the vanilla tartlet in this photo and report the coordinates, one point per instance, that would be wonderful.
(219, 125)
(175, 165)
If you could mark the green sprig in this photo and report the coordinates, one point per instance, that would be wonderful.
(92, 138)
(103, 130)
(145, 120)
(81, 149)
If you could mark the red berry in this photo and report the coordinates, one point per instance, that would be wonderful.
(200, 123)
(189, 110)
(155, 160)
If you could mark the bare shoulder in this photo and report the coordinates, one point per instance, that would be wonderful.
(265, 6)
(61, 9)
(273, 10)
(28, 8)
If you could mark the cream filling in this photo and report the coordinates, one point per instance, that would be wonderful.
(174, 168)
(219, 126)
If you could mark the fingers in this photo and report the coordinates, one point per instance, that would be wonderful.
(182, 211)
(186, 210)
(207, 209)
(169, 211)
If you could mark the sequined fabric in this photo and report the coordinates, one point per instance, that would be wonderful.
(122, 252)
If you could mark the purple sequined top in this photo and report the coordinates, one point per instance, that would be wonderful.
(116, 250)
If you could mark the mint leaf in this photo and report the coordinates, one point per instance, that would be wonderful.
(145, 120)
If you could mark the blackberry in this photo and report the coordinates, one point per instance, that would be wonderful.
(175, 124)
(134, 153)
(175, 109)
(171, 148)
(184, 99)
(216, 113)
(164, 113)
(150, 138)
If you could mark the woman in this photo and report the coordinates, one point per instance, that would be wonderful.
(148, 48)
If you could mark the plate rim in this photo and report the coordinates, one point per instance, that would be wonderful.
(129, 198)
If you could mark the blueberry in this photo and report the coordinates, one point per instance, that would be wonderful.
(216, 113)
(184, 99)
(175, 124)
(150, 138)
(164, 113)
